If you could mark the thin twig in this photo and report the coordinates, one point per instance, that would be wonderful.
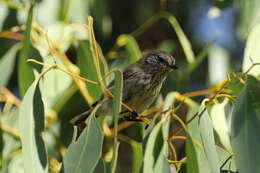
(11, 97)
(252, 66)
(10, 130)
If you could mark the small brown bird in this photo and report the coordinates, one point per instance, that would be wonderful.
(142, 82)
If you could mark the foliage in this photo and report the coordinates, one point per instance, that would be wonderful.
(54, 84)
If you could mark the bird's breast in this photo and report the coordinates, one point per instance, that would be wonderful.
(142, 92)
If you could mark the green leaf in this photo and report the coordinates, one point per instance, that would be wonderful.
(245, 127)
(31, 122)
(161, 147)
(25, 72)
(192, 161)
(194, 133)
(85, 153)
(86, 64)
(185, 43)
(200, 57)
(132, 49)
(101, 167)
(149, 158)
(208, 141)
(156, 150)
(118, 85)
(7, 65)
(252, 51)
(137, 157)
(162, 165)
(220, 123)
(113, 164)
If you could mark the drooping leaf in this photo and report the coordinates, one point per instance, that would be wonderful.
(87, 69)
(84, 154)
(200, 57)
(137, 157)
(132, 48)
(118, 86)
(192, 158)
(208, 141)
(194, 133)
(161, 164)
(25, 72)
(219, 120)
(101, 167)
(31, 123)
(149, 158)
(7, 65)
(156, 150)
(245, 125)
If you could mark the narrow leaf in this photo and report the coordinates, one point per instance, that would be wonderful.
(7, 65)
(101, 167)
(192, 161)
(132, 48)
(155, 150)
(208, 141)
(31, 122)
(200, 57)
(86, 64)
(116, 110)
(25, 72)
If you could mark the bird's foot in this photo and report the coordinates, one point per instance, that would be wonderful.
(132, 116)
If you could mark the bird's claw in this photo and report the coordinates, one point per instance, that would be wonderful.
(132, 116)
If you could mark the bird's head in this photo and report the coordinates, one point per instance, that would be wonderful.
(159, 61)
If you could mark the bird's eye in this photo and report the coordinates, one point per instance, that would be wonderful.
(161, 59)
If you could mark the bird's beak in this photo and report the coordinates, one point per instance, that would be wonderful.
(173, 66)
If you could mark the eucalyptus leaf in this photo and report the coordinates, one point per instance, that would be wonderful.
(31, 123)
(101, 167)
(156, 150)
(194, 133)
(83, 155)
(25, 72)
(86, 64)
(208, 141)
(118, 86)
(192, 158)
(252, 52)
(7, 63)
(245, 125)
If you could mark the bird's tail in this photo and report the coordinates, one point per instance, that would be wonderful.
(79, 121)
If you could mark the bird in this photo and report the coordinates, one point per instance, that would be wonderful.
(142, 82)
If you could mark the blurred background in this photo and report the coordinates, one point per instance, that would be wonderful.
(206, 37)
